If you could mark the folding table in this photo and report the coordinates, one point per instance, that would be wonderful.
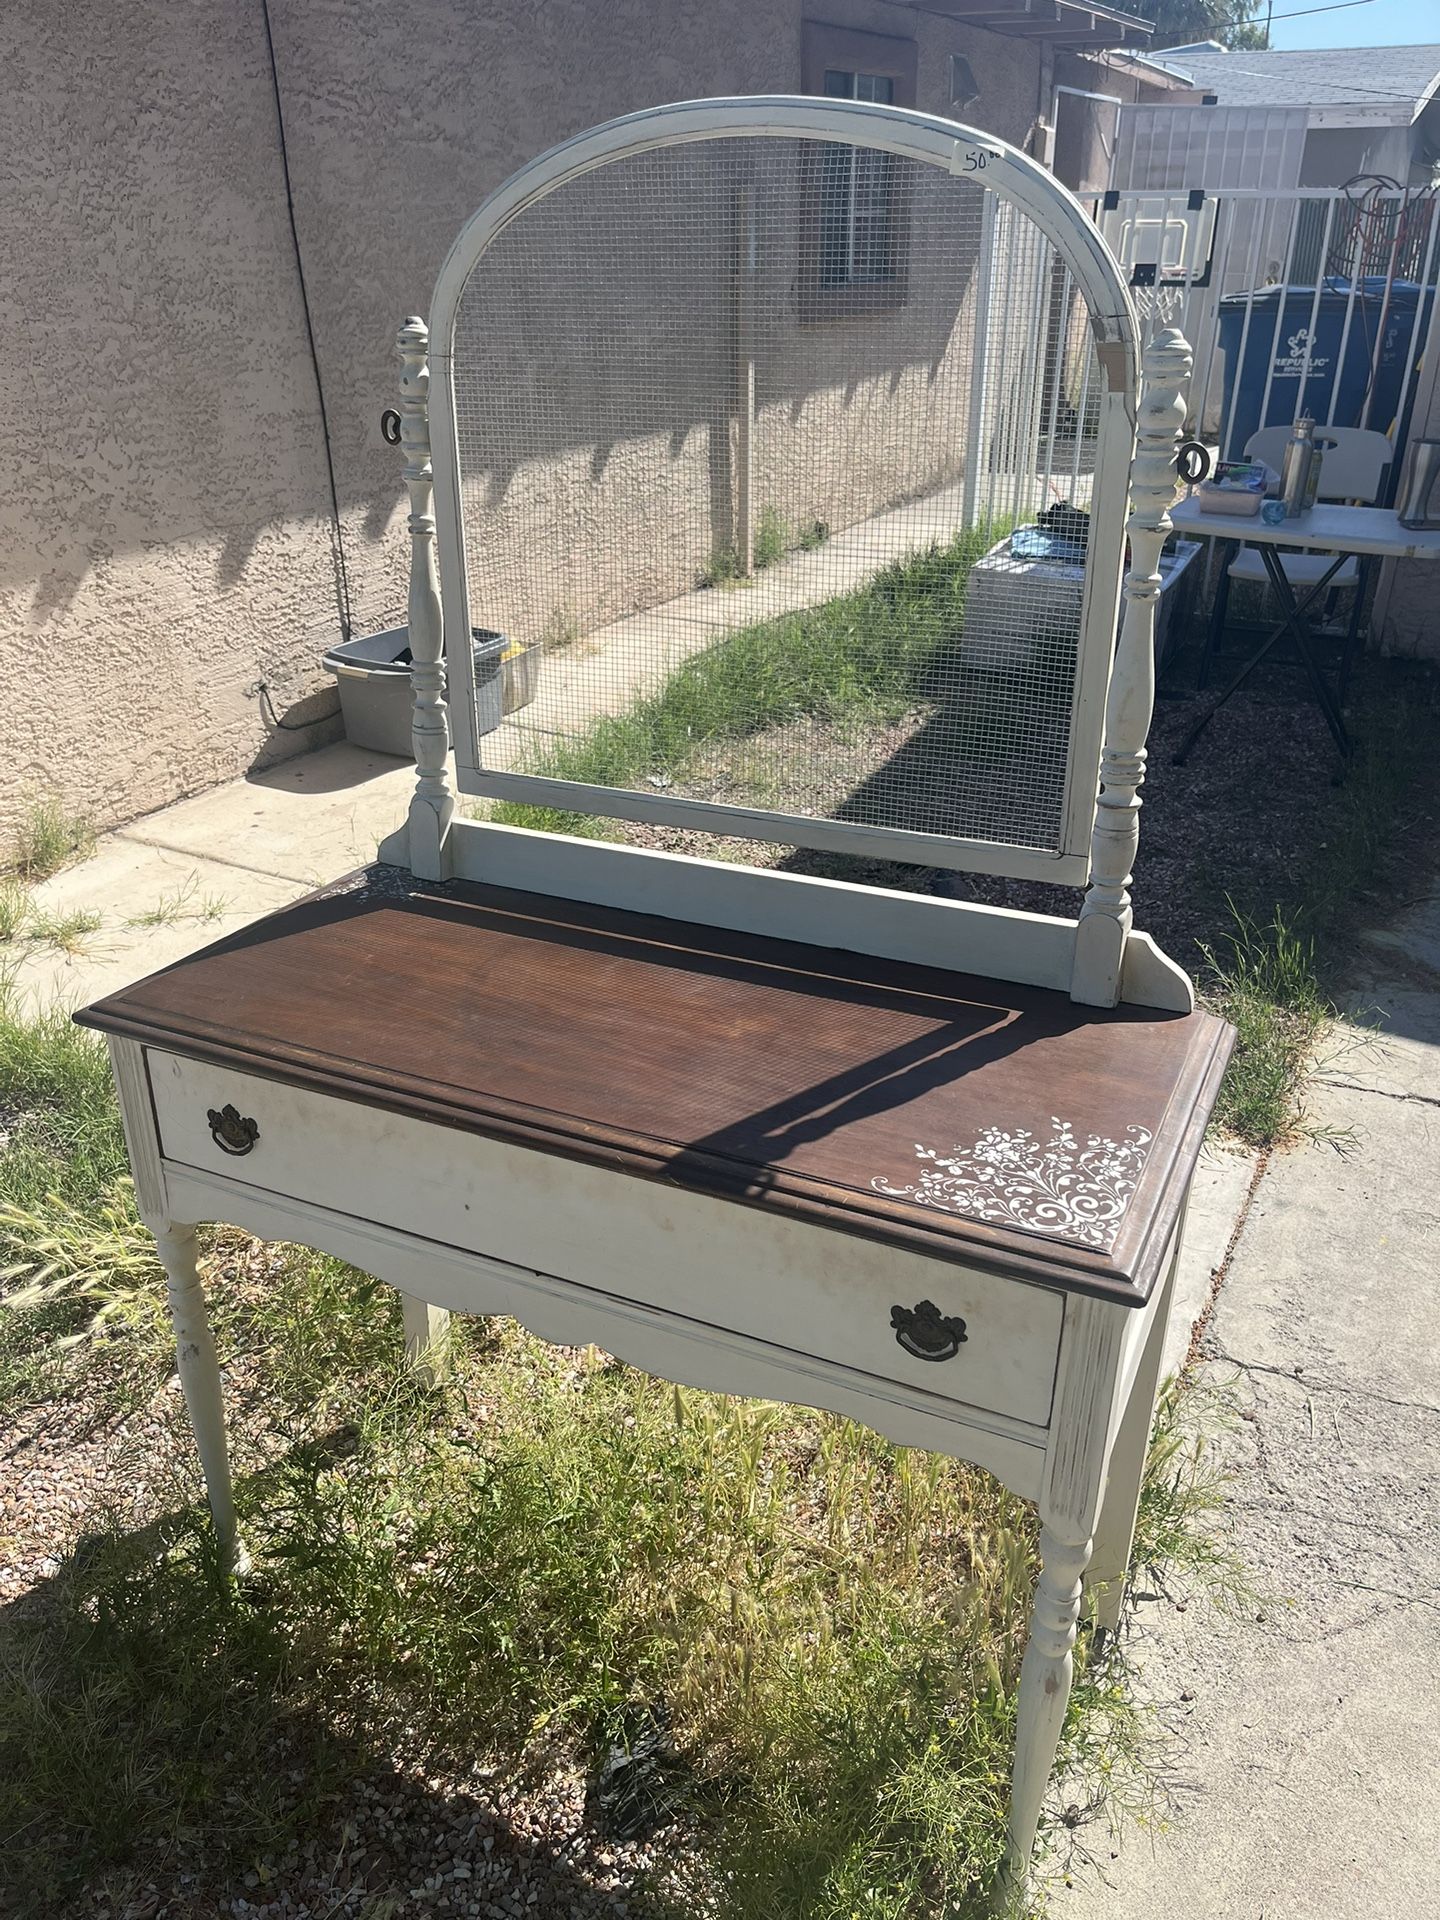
(1340, 530)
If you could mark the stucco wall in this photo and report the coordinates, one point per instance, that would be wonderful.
(166, 539)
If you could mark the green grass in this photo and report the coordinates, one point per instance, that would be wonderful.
(550, 1556)
(72, 1247)
(829, 1627)
(66, 930)
(184, 902)
(48, 838)
(772, 538)
(14, 909)
(1263, 980)
(868, 654)
(1275, 971)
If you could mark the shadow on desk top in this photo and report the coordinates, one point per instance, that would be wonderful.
(964, 1118)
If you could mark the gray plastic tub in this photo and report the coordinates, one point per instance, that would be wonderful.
(376, 699)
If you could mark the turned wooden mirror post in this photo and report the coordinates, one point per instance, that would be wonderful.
(433, 806)
(1107, 915)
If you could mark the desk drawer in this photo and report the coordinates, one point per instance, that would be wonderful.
(816, 1291)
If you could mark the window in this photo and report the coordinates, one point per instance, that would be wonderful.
(857, 195)
(857, 215)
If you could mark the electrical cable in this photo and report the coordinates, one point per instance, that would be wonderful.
(342, 575)
(273, 720)
(1335, 6)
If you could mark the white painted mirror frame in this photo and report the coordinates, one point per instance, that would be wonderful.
(1106, 961)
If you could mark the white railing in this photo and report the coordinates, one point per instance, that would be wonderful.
(1343, 343)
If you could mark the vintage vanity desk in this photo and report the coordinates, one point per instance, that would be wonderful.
(918, 1161)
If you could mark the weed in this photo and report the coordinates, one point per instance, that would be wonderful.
(1262, 979)
(1271, 972)
(96, 1258)
(1180, 1531)
(771, 541)
(828, 1627)
(772, 538)
(67, 932)
(186, 902)
(724, 569)
(561, 631)
(48, 838)
(14, 909)
(68, 1209)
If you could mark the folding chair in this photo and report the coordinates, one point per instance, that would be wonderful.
(1355, 463)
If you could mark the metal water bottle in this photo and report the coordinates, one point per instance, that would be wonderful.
(1295, 472)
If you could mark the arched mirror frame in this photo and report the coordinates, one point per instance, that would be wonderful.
(964, 151)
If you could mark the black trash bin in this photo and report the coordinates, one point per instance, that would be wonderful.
(375, 693)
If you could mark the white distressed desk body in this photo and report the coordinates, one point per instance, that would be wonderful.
(1061, 1402)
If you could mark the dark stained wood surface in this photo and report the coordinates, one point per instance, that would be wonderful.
(776, 1074)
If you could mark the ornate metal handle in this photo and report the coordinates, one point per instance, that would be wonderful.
(926, 1332)
(231, 1131)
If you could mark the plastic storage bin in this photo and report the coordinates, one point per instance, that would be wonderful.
(376, 699)
(1016, 603)
(1279, 346)
(519, 675)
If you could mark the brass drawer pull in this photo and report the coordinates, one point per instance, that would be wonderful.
(927, 1333)
(231, 1131)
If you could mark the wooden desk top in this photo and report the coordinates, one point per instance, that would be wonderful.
(955, 1116)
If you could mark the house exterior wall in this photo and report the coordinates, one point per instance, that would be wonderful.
(166, 536)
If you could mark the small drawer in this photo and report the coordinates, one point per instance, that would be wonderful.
(955, 1333)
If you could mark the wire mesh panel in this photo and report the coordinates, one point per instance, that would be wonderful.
(775, 460)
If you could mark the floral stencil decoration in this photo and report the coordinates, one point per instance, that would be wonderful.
(1077, 1190)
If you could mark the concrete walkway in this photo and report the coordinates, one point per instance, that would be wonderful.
(1306, 1767)
(212, 864)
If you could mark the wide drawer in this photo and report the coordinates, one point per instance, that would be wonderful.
(827, 1294)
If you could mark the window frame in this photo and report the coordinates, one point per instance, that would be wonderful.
(825, 48)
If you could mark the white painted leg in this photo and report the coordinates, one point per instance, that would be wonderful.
(199, 1376)
(1115, 1529)
(1081, 1422)
(427, 1339)
(1045, 1676)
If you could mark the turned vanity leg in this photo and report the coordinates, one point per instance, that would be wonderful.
(427, 1339)
(1086, 1384)
(199, 1375)
(1045, 1676)
(1115, 1529)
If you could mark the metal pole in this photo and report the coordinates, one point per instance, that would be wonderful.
(975, 437)
(745, 380)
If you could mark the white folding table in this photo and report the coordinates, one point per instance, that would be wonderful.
(1343, 531)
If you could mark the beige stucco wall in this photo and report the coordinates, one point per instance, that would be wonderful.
(163, 536)
(165, 530)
